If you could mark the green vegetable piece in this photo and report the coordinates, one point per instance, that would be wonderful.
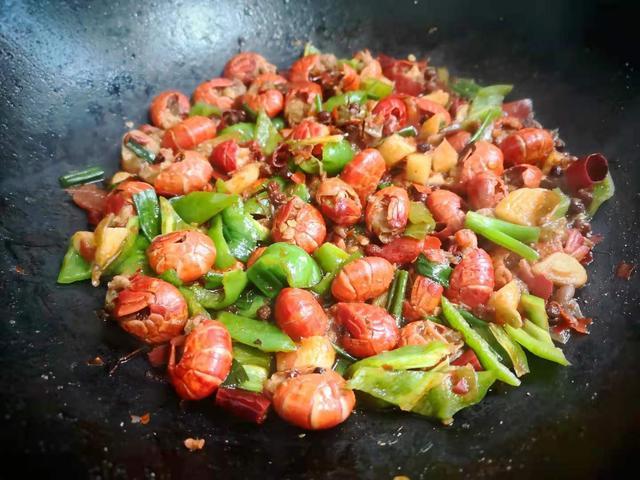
(249, 303)
(484, 130)
(489, 231)
(259, 205)
(79, 177)
(406, 358)
(514, 351)
(170, 221)
(602, 192)
(324, 285)
(224, 258)
(241, 231)
(343, 353)
(256, 376)
(283, 265)
(403, 388)
(134, 261)
(409, 131)
(377, 89)
(310, 49)
(357, 96)
(198, 207)
(203, 109)
(563, 206)
(192, 303)
(466, 87)
(299, 190)
(538, 348)
(341, 365)
(247, 355)
(438, 272)
(148, 209)
(311, 166)
(278, 122)
(482, 328)
(519, 232)
(140, 152)
(487, 357)
(537, 332)
(213, 280)
(330, 257)
(117, 266)
(442, 403)
(421, 221)
(261, 335)
(233, 283)
(535, 310)
(243, 131)
(335, 156)
(486, 100)
(317, 102)
(171, 276)
(236, 375)
(74, 268)
(398, 291)
(266, 134)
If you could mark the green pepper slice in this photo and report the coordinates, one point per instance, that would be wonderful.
(254, 333)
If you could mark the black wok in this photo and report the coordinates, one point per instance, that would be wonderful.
(72, 73)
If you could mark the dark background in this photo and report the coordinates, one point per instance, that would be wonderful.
(72, 73)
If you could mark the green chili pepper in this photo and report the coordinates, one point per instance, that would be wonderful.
(438, 272)
(299, 190)
(236, 375)
(519, 232)
(261, 335)
(213, 280)
(233, 283)
(537, 332)
(192, 303)
(259, 205)
(479, 225)
(482, 328)
(311, 166)
(170, 221)
(465, 87)
(354, 63)
(323, 286)
(224, 259)
(563, 205)
(171, 276)
(79, 177)
(357, 96)
(247, 355)
(203, 109)
(443, 403)
(330, 257)
(148, 209)
(382, 185)
(341, 365)
(409, 131)
(486, 100)
(135, 260)
(241, 231)
(256, 376)
(535, 310)
(406, 358)
(377, 89)
(116, 267)
(398, 291)
(249, 303)
(513, 350)
(278, 122)
(243, 131)
(317, 101)
(74, 268)
(484, 130)
(141, 152)
(403, 388)
(198, 207)
(266, 134)
(535, 346)
(335, 156)
(283, 265)
(487, 357)
(602, 192)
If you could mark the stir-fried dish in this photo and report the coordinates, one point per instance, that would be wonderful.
(365, 229)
